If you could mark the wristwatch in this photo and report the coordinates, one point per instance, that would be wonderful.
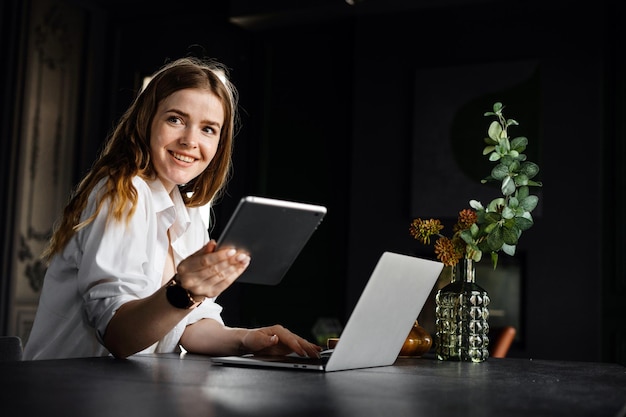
(178, 296)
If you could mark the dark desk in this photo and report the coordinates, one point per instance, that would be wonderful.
(168, 385)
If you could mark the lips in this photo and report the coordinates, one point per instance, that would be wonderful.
(183, 158)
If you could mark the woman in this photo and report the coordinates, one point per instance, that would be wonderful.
(131, 267)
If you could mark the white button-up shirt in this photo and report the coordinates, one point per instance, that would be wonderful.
(108, 263)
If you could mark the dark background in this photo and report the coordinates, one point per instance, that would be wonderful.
(332, 113)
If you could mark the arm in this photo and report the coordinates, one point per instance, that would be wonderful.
(207, 336)
(139, 323)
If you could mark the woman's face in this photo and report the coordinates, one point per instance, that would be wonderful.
(184, 135)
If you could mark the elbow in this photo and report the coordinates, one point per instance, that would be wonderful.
(118, 352)
(117, 346)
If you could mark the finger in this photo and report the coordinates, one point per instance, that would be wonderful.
(296, 343)
(206, 261)
(221, 276)
(211, 246)
(209, 272)
(208, 248)
(312, 350)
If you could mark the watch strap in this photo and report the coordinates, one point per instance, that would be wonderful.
(178, 296)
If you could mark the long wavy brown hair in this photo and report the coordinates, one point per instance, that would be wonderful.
(127, 150)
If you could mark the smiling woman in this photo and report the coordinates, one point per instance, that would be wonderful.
(132, 268)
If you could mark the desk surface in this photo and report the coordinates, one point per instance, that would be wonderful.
(172, 385)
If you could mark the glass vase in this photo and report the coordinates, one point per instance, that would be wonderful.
(461, 317)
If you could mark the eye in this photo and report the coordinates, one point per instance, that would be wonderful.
(210, 130)
(174, 120)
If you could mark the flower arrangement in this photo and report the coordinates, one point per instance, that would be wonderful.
(498, 226)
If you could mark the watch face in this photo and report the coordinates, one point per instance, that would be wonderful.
(178, 296)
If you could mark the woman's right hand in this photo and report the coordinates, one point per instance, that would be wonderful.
(207, 273)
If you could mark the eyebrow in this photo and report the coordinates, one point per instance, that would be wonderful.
(185, 114)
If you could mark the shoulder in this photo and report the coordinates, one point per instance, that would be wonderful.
(141, 185)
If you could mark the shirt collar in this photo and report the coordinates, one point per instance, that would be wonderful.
(171, 208)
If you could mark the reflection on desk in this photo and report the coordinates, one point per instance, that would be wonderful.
(189, 385)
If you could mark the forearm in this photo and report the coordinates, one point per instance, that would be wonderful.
(140, 323)
(210, 337)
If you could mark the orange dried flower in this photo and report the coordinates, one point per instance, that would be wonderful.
(422, 230)
(467, 218)
(447, 252)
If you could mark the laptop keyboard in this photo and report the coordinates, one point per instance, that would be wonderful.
(294, 358)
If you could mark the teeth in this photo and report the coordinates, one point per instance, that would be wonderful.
(182, 157)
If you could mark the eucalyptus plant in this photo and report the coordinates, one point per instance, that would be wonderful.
(498, 226)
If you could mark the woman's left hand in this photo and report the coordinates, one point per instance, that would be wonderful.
(277, 340)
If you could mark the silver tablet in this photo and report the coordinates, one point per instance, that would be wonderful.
(273, 232)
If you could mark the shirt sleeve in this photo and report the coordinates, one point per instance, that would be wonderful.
(115, 264)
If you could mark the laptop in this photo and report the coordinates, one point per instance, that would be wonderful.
(379, 324)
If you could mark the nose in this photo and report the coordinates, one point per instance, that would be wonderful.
(189, 138)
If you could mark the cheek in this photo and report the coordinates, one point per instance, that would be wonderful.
(209, 151)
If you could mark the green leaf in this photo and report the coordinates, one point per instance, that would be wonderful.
(495, 239)
(527, 215)
(492, 217)
(499, 172)
(494, 131)
(495, 204)
(490, 141)
(476, 205)
(529, 203)
(489, 227)
(488, 149)
(494, 156)
(521, 180)
(508, 213)
(484, 246)
(519, 143)
(466, 235)
(522, 192)
(508, 249)
(530, 169)
(508, 186)
(508, 223)
(523, 223)
(506, 145)
(510, 235)
(494, 259)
